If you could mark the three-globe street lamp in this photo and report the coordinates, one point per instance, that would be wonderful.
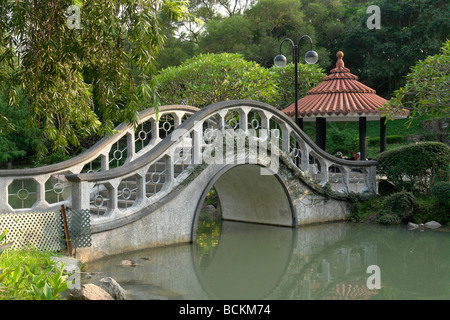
(311, 57)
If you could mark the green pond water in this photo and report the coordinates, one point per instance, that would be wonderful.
(233, 260)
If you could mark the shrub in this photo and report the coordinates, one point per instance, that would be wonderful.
(401, 203)
(415, 167)
(344, 141)
(431, 209)
(392, 139)
(388, 218)
(441, 191)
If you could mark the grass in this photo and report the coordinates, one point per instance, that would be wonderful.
(18, 264)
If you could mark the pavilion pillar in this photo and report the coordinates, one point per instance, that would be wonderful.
(362, 137)
(300, 123)
(321, 132)
(383, 143)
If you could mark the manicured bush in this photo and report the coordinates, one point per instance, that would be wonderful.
(415, 167)
(392, 139)
(441, 191)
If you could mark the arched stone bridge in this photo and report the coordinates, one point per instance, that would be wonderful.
(145, 186)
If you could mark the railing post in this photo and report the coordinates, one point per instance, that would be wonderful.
(243, 120)
(197, 142)
(104, 158)
(40, 192)
(140, 186)
(4, 203)
(304, 163)
(80, 195)
(345, 171)
(131, 146)
(323, 171)
(370, 180)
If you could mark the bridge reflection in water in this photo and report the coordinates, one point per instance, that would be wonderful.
(252, 261)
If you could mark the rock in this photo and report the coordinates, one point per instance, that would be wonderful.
(412, 226)
(128, 263)
(432, 224)
(113, 288)
(89, 292)
(209, 208)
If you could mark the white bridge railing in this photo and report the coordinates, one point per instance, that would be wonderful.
(220, 133)
(135, 167)
(46, 188)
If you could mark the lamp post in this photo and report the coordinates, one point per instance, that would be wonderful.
(311, 57)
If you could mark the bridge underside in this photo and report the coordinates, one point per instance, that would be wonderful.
(247, 195)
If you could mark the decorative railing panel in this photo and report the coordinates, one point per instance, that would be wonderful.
(46, 188)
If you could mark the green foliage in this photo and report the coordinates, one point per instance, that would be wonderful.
(401, 203)
(441, 191)
(78, 82)
(31, 275)
(49, 284)
(209, 78)
(415, 167)
(344, 141)
(393, 139)
(431, 209)
(20, 140)
(410, 31)
(427, 90)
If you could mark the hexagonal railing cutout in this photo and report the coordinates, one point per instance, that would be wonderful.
(57, 188)
(127, 192)
(99, 198)
(22, 193)
(144, 134)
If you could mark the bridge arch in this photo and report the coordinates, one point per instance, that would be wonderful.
(247, 193)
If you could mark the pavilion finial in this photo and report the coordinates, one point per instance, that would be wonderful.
(340, 62)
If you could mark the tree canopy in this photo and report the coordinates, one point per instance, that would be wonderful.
(209, 78)
(81, 66)
(427, 90)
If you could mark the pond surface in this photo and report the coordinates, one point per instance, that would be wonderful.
(234, 260)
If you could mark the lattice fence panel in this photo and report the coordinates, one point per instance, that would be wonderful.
(42, 230)
(79, 224)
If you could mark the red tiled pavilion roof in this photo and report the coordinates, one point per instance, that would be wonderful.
(339, 95)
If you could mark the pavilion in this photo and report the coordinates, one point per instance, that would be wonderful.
(341, 97)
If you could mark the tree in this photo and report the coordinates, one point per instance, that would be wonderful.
(209, 78)
(427, 89)
(82, 65)
(257, 33)
(410, 31)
